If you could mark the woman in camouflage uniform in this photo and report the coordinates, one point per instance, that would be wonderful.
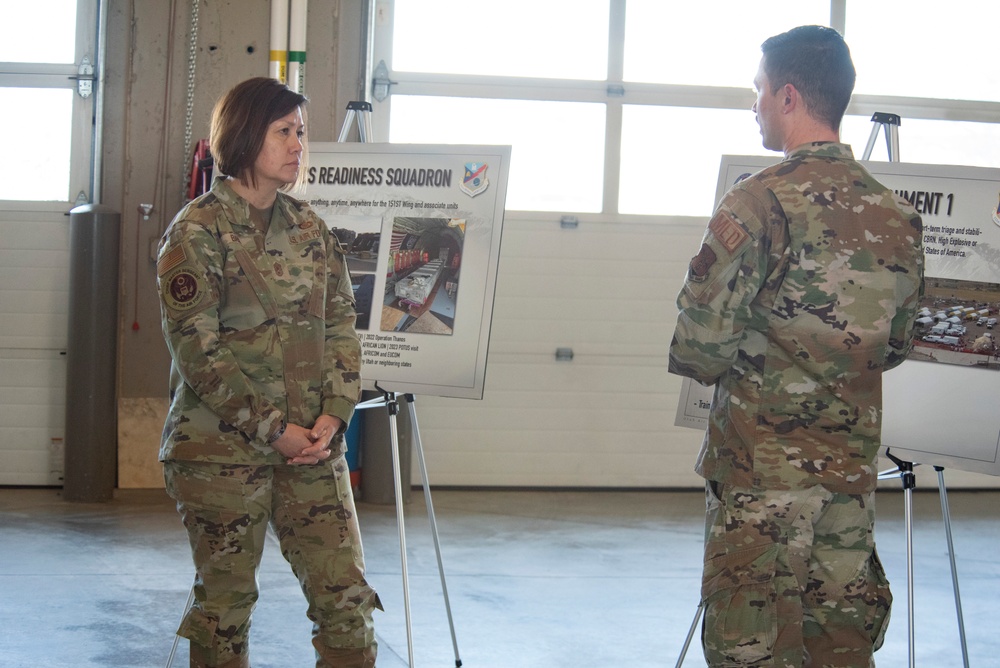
(258, 314)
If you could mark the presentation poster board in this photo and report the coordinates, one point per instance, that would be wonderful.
(421, 225)
(940, 404)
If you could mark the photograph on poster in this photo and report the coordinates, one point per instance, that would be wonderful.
(957, 324)
(421, 284)
(359, 236)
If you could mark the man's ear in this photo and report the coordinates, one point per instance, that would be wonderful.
(791, 96)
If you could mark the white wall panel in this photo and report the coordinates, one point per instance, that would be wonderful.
(32, 414)
(604, 419)
(34, 292)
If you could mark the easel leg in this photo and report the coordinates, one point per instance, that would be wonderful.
(690, 635)
(909, 481)
(177, 638)
(946, 513)
(434, 531)
(910, 599)
(393, 406)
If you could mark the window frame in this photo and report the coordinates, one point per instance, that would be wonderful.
(63, 75)
(615, 93)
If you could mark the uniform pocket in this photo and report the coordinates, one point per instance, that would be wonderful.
(741, 622)
(203, 489)
(879, 600)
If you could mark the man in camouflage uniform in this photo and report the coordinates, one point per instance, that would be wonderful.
(258, 314)
(804, 291)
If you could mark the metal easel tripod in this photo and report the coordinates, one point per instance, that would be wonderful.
(890, 124)
(390, 401)
(360, 111)
(905, 471)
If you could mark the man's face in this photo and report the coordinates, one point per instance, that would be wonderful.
(768, 110)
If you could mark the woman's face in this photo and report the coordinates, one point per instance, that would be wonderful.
(278, 162)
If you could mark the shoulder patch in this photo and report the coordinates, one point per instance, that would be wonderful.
(182, 289)
(170, 259)
(729, 233)
(702, 262)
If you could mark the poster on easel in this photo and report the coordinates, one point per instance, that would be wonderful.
(421, 225)
(939, 406)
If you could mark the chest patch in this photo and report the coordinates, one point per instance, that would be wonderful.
(729, 233)
(301, 237)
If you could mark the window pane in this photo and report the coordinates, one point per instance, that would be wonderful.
(925, 49)
(565, 39)
(545, 136)
(708, 43)
(671, 156)
(40, 170)
(930, 141)
(40, 31)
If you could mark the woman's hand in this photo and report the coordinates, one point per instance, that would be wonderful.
(308, 446)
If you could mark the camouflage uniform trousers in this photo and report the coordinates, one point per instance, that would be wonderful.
(791, 578)
(226, 510)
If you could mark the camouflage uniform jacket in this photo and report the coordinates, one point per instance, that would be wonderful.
(260, 327)
(804, 291)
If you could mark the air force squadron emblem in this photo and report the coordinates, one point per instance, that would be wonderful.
(474, 181)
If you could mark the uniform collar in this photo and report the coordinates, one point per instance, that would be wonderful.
(822, 149)
(240, 208)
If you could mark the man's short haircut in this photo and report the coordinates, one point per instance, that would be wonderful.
(817, 61)
(240, 121)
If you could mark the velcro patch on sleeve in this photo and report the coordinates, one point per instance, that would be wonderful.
(170, 259)
(701, 264)
(183, 289)
(729, 233)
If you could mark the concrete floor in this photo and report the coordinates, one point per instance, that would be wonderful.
(574, 579)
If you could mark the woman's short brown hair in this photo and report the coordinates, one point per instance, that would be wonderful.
(240, 121)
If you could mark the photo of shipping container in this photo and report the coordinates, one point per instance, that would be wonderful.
(423, 275)
(416, 288)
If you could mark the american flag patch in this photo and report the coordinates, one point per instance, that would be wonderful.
(173, 258)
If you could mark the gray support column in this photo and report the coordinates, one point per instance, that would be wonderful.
(91, 355)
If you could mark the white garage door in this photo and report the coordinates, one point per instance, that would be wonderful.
(46, 171)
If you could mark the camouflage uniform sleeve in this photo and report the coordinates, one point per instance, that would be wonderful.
(342, 352)
(721, 282)
(902, 329)
(191, 330)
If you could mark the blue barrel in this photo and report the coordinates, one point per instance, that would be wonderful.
(353, 438)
